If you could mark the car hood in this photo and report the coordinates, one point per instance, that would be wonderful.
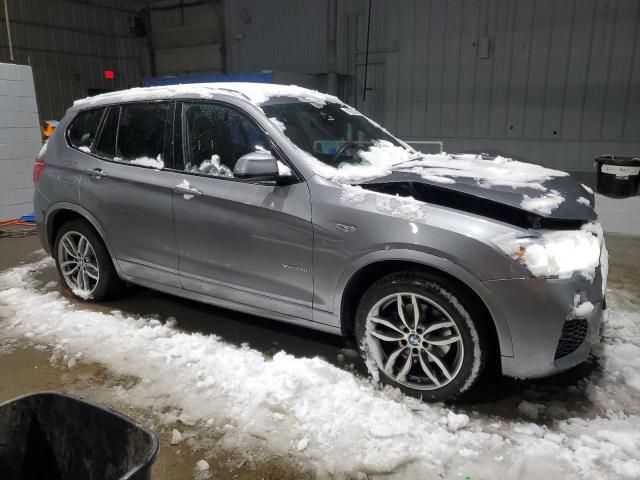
(487, 184)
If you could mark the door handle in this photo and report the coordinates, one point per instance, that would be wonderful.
(98, 173)
(187, 190)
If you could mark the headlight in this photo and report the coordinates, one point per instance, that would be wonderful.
(556, 253)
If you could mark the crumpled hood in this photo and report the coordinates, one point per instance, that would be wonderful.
(527, 187)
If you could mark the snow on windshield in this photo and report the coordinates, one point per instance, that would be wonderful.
(335, 421)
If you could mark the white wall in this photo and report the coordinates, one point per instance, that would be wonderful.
(20, 139)
(619, 215)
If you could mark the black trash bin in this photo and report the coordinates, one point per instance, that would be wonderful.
(618, 177)
(51, 436)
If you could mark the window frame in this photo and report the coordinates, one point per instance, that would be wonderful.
(180, 144)
(104, 109)
(168, 152)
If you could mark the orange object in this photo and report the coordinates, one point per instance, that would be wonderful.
(48, 128)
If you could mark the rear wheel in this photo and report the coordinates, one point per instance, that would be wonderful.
(83, 262)
(416, 334)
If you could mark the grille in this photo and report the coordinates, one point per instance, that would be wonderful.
(573, 334)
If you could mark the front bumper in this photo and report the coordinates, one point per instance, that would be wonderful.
(537, 310)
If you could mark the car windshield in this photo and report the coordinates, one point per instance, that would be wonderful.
(333, 133)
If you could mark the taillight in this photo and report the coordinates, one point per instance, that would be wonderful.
(38, 168)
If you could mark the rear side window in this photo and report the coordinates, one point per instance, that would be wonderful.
(83, 128)
(106, 145)
(141, 133)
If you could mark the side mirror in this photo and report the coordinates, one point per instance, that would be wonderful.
(259, 165)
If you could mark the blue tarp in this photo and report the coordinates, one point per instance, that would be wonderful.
(261, 77)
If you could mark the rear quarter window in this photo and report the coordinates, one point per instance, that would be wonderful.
(82, 131)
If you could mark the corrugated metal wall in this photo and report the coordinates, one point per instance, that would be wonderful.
(555, 81)
(69, 44)
(187, 39)
(288, 35)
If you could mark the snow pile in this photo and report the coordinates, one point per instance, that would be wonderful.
(557, 253)
(256, 93)
(144, 161)
(383, 156)
(211, 167)
(332, 419)
(407, 208)
(544, 204)
(581, 310)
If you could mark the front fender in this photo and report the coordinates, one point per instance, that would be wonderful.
(434, 262)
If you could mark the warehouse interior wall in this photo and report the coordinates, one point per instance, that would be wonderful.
(555, 82)
(187, 37)
(69, 44)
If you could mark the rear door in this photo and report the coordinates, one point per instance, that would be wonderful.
(238, 240)
(126, 186)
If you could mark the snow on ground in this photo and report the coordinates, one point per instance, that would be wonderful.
(334, 420)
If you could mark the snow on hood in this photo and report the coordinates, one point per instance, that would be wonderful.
(526, 186)
(383, 157)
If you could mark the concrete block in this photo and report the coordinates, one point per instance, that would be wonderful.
(18, 104)
(8, 212)
(24, 73)
(16, 196)
(19, 119)
(8, 71)
(19, 135)
(14, 181)
(19, 89)
(27, 150)
(16, 165)
(6, 151)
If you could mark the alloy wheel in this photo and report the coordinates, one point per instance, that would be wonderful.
(414, 341)
(78, 263)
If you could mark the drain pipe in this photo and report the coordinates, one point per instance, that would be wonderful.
(6, 18)
(332, 47)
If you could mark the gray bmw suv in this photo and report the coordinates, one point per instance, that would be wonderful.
(287, 203)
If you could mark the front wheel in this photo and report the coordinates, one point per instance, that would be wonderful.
(416, 334)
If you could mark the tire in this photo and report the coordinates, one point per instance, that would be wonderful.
(94, 267)
(415, 364)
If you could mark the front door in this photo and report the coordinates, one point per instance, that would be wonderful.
(239, 241)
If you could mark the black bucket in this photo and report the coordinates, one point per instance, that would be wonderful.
(51, 436)
(618, 177)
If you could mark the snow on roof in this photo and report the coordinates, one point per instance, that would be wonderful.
(256, 93)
